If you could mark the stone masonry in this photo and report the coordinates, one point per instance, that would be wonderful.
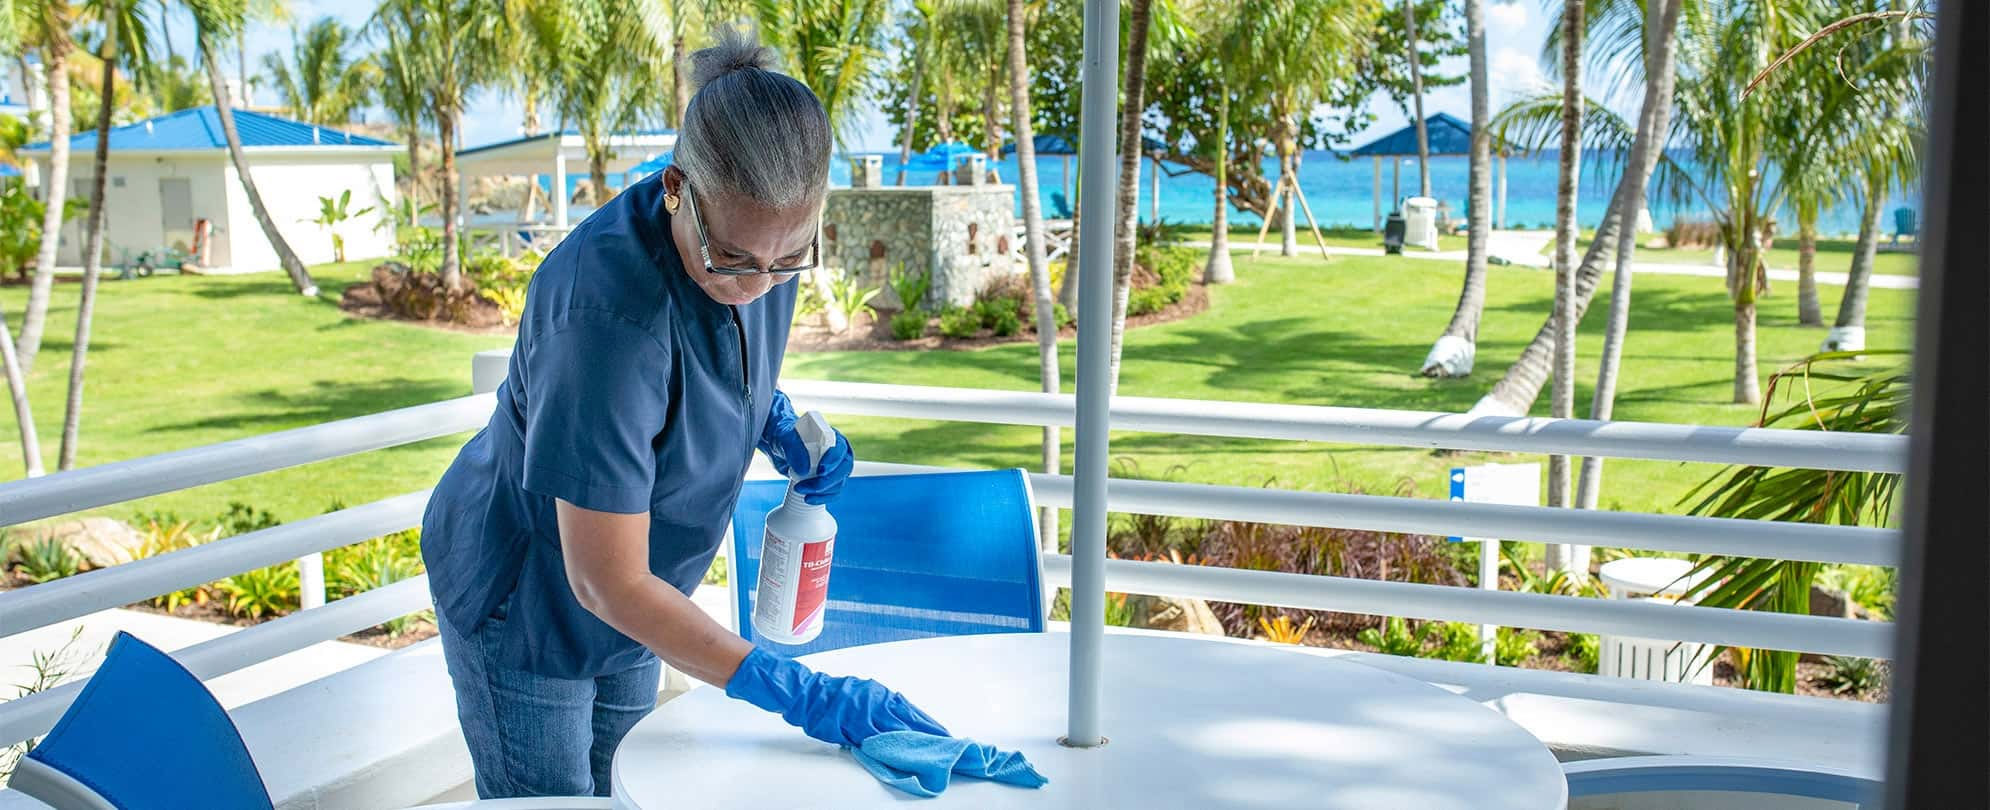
(962, 235)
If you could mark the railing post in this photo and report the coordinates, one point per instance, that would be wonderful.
(311, 581)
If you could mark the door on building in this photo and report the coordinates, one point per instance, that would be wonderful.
(176, 213)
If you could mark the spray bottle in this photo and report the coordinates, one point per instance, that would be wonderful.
(796, 550)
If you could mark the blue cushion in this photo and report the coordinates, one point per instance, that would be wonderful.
(917, 556)
(145, 733)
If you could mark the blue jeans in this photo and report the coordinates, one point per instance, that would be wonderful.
(531, 735)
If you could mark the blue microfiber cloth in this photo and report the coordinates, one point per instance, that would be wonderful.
(921, 764)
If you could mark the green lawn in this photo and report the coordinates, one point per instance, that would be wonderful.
(1242, 237)
(185, 361)
(1833, 255)
(182, 361)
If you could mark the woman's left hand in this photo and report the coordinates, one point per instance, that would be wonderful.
(785, 448)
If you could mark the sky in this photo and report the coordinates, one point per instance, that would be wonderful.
(1514, 32)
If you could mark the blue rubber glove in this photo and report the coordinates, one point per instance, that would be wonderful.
(784, 448)
(839, 711)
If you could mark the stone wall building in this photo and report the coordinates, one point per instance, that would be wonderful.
(963, 235)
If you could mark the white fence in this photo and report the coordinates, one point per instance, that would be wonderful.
(63, 493)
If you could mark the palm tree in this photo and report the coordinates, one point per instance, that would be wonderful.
(403, 92)
(325, 84)
(457, 44)
(603, 56)
(16, 28)
(833, 47)
(1882, 144)
(1130, 130)
(1659, 29)
(215, 20)
(923, 31)
(45, 26)
(1033, 243)
(1562, 402)
(1306, 45)
(125, 43)
(1416, 92)
(1453, 353)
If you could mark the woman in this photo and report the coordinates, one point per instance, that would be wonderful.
(564, 541)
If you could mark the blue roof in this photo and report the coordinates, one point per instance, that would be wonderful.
(199, 128)
(1046, 145)
(565, 132)
(1448, 136)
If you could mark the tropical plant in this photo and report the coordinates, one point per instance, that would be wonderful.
(164, 534)
(1283, 631)
(1846, 675)
(1412, 44)
(457, 47)
(50, 669)
(47, 28)
(1513, 646)
(602, 60)
(324, 84)
(333, 213)
(959, 322)
(176, 84)
(909, 324)
(910, 288)
(264, 591)
(1855, 401)
(214, 21)
(1021, 122)
(1456, 348)
(1561, 402)
(1171, 30)
(849, 295)
(1392, 638)
(1871, 587)
(403, 93)
(376, 563)
(1006, 323)
(242, 518)
(1583, 651)
(46, 558)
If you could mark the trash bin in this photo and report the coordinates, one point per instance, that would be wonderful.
(1665, 581)
(1392, 234)
(1420, 221)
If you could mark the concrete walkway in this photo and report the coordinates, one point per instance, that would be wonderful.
(171, 633)
(1523, 249)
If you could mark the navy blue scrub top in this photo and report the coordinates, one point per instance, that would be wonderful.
(629, 390)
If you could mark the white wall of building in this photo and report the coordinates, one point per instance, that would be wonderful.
(137, 219)
(290, 186)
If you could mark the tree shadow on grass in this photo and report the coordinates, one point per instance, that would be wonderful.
(274, 409)
(1652, 310)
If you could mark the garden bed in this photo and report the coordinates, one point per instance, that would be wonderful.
(871, 332)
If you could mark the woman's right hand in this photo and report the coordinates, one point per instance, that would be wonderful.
(836, 710)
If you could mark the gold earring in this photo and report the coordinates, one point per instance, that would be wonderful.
(671, 201)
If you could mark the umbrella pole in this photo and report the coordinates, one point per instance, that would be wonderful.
(1100, 95)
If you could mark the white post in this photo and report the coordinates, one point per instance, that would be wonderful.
(1395, 181)
(1489, 581)
(1099, 99)
(1502, 191)
(1154, 204)
(1067, 182)
(311, 581)
(559, 185)
(1378, 191)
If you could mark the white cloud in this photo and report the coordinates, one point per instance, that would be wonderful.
(1515, 72)
(1506, 17)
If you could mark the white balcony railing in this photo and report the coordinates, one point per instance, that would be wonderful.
(63, 493)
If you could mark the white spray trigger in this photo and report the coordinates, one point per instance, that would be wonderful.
(818, 437)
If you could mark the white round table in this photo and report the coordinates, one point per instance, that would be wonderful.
(1190, 723)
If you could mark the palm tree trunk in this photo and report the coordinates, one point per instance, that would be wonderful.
(1219, 269)
(1809, 312)
(452, 268)
(990, 113)
(1288, 167)
(414, 174)
(680, 80)
(1033, 239)
(1067, 293)
(1848, 332)
(1453, 353)
(911, 113)
(1516, 391)
(93, 249)
(299, 277)
(597, 169)
(1562, 400)
(55, 191)
(1416, 93)
(1129, 179)
(1661, 23)
(1747, 389)
(17, 385)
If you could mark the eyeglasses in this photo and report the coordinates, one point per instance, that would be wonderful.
(705, 249)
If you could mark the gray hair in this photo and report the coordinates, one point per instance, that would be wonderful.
(751, 131)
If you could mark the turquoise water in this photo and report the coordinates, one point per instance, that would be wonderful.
(1340, 191)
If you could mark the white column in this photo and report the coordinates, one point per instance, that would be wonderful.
(1377, 196)
(1502, 191)
(311, 581)
(1154, 204)
(559, 185)
(1395, 181)
(1098, 100)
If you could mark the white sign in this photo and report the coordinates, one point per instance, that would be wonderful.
(1511, 484)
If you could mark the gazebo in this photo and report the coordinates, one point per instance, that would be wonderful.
(534, 155)
(1448, 136)
(1066, 147)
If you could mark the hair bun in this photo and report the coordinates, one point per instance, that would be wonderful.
(735, 51)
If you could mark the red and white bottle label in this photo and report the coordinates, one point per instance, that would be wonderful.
(812, 585)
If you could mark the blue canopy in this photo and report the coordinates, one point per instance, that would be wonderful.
(651, 166)
(940, 158)
(1448, 136)
(1046, 145)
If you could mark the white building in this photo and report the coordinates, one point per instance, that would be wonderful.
(171, 179)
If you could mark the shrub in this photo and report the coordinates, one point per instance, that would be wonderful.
(959, 322)
(376, 563)
(909, 325)
(165, 533)
(911, 288)
(242, 518)
(264, 591)
(1513, 645)
(988, 310)
(1007, 323)
(1147, 301)
(1063, 315)
(1446, 641)
(46, 559)
(1846, 675)
(850, 295)
(1392, 638)
(1583, 651)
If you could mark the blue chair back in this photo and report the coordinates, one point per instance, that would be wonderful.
(1903, 222)
(1751, 780)
(939, 554)
(1060, 208)
(145, 733)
